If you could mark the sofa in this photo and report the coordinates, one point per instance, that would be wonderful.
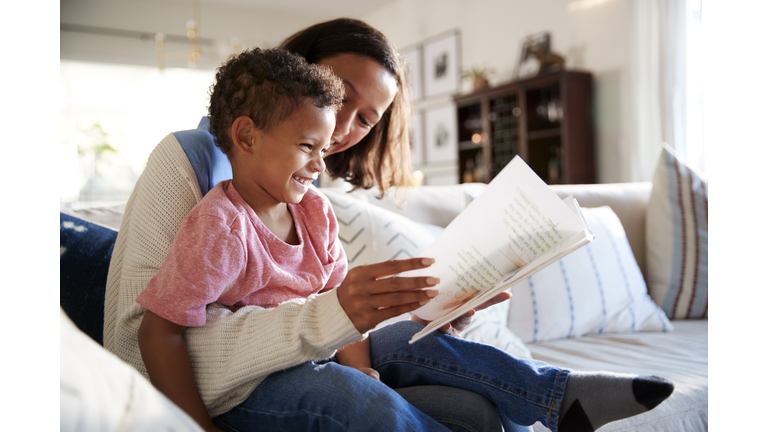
(637, 337)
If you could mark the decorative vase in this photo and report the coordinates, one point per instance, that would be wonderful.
(479, 83)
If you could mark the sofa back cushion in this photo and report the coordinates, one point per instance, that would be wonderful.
(433, 205)
(628, 200)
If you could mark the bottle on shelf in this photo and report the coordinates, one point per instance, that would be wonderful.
(468, 174)
(479, 173)
(553, 169)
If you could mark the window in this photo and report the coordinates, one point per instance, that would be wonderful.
(112, 116)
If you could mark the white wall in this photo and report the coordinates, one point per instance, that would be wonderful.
(219, 21)
(593, 35)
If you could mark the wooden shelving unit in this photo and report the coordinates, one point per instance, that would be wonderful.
(547, 120)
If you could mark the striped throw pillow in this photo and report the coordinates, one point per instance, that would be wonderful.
(676, 238)
(596, 289)
(370, 234)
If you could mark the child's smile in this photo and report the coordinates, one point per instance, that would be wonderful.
(280, 164)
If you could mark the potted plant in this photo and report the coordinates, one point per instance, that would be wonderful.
(479, 76)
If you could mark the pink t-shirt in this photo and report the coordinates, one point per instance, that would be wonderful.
(223, 253)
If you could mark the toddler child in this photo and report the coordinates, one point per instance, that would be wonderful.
(267, 237)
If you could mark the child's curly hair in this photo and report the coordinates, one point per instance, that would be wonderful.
(267, 86)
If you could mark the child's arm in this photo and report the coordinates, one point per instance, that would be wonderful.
(358, 356)
(167, 360)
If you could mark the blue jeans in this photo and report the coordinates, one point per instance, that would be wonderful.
(331, 397)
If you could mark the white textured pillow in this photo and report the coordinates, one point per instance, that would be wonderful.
(370, 234)
(596, 289)
(489, 326)
(99, 392)
(676, 239)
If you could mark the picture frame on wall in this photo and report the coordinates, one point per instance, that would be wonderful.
(413, 60)
(416, 132)
(441, 64)
(441, 135)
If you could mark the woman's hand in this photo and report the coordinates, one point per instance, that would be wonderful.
(369, 296)
(455, 327)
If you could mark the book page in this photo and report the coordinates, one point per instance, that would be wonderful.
(516, 219)
(542, 261)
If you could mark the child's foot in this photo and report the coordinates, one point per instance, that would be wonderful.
(592, 399)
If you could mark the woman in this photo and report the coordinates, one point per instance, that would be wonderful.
(369, 148)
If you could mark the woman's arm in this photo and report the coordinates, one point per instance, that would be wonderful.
(170, 371)
(234, 351)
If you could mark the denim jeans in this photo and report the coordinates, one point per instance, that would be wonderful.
(331, 397)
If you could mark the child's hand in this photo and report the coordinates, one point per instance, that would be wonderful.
(455, 327)
(369, 296)
(371, 372)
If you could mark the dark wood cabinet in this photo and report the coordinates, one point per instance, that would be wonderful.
(547, 120)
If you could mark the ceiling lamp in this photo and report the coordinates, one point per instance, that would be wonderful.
(193, 54)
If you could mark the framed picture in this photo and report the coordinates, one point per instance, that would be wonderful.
(528, 64)
(416, 133)
(441, 64)
(412, 58)
(440, 131)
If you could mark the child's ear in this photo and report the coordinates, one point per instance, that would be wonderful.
(243, 133)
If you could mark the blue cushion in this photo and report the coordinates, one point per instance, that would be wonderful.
(86, 249)
(211, 165)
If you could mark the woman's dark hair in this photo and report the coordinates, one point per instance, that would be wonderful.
(268, 86)
(382, 158)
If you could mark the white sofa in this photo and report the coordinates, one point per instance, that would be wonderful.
(369, 230)
(679, 355)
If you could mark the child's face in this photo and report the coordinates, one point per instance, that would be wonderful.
(290, 156)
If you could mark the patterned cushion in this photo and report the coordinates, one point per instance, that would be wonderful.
(676, 238)
(371, 234)
(489, 326)
(85, 252)
(596, 289)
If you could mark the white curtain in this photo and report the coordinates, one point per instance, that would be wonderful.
(665, 82)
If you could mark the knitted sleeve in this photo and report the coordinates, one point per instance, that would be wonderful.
(233, 352)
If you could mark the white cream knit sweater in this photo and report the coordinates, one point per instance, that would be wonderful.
(234, 351)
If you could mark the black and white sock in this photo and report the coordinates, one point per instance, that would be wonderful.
(592, 399)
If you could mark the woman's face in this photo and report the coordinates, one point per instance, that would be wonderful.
(370, 89)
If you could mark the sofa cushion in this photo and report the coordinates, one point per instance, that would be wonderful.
(99, 392)
(85, 251)
(370, 234)
(628, 200)
(676, 238)
(489, 327)
(680, 356)
(596, 289)
(434, 205)
(110, 216)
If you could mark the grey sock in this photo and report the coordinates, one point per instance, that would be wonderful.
(592, 399)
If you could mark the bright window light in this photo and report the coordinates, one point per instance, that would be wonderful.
(112, 116)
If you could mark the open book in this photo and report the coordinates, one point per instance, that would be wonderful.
(515, 228)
